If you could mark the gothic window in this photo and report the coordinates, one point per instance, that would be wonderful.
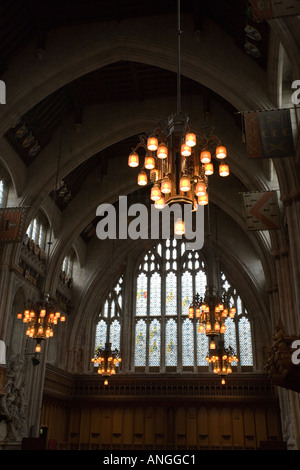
(166, 339)
(37, 231)
(108, 328)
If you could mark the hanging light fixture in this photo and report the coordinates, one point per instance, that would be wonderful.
(106, 360)
(222, 359)
(211, 313)
(179, 155)
(41, 316)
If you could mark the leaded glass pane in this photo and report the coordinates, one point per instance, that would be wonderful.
(155, 294)
(230, 335)
(140, 343)
(114, 333)
(105, 310)
(239, 306)
(200, 283)
(171, 294)
(187, 343)
(202, 348)
(154, 343)
(112, 309)
(101, 334)
(171, 343)
(141, 295)
(246, 357)
(187, 291)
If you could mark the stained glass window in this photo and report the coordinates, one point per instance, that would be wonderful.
(141, 299)
(140, 343)
(167, 279)
(155, 294)
(245, 341)
(187, 291)
(202, 348)
(187, 343)
(154, 343)
(171, 294)
(171, 343)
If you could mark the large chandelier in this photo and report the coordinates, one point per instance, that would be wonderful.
(177, 160)
(41, 318)
(107, 360)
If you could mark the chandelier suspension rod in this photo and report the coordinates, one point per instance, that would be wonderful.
(178, 60)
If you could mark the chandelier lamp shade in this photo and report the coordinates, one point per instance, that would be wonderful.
(107, 360)
(41, 318)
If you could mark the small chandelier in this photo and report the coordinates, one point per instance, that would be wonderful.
(108, 361)
(41, 318)
(178, 159)
(211, 313)
(221, 360)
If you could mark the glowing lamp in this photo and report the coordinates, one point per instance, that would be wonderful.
(179, 227)
(212, 345)
(205, 156)
(160, 204)
(152, 143)
(149, 162)
(142, 178)
(185, 150)
(203, 200)
(208, 169)
(155, 193)
(162, 151)
(221, 152)
(200, 189)
(166, 186)
(223, 169)
(190, 139)
(133, 160)
(185, 184)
